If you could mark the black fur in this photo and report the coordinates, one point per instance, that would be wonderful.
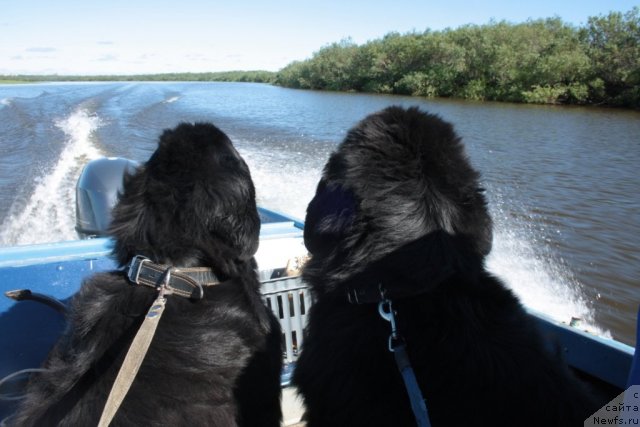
(213, 362)
(399, 206)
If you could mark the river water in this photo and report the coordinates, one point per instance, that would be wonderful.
(562, 182)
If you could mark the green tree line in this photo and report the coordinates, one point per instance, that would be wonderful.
(539, 61)
(221, 76)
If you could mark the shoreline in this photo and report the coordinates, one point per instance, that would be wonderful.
(202, 78)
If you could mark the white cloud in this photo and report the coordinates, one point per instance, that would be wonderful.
(107, 58)
(41, 49)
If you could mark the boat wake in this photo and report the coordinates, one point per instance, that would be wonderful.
(542, 281)
(171, 100)
(49, 213)
(282, 184)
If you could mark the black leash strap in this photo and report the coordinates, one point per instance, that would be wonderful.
(399, 350)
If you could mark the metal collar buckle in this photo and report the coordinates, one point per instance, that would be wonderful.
(134, 268)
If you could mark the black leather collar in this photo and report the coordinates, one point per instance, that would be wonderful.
(413, 269)
(185, 282)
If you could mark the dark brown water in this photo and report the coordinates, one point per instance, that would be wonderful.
(562, 182)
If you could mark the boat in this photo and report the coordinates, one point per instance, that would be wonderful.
(31, 321)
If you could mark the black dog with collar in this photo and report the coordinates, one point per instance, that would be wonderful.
(215, 359)
(399, 214)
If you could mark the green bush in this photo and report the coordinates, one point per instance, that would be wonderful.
(540, 61)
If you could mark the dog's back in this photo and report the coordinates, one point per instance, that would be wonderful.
(478, 360)
(213, 361)
(210, 362)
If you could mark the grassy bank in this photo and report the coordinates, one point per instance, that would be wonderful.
(224, 76)
(4, 81)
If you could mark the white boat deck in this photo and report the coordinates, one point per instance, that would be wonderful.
(292, 408)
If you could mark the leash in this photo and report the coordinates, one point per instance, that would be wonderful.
(399, 350)
(27, 294)
(134, 358)
(167, 280)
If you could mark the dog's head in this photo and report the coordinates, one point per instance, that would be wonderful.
(399, 175)
(193, 202)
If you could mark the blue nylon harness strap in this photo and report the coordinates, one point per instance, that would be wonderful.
(399, 350)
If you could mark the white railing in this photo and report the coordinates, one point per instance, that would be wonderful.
(289, 299)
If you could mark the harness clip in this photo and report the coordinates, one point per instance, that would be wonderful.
(385, 309)
(164, 287)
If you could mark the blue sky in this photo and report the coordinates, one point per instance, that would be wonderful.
(156, 36)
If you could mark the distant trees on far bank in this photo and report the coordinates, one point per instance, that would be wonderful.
(542, 61)
(221, 76)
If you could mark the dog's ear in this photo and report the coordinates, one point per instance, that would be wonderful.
(329, 216)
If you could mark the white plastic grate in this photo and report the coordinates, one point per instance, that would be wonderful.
(289, 299)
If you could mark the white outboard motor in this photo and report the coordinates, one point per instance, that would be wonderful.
(97, 192)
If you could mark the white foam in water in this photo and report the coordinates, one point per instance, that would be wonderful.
(283, 184)
(49, 214)
(541, 281)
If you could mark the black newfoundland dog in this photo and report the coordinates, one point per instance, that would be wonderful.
(399, 214)
(215, 359)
